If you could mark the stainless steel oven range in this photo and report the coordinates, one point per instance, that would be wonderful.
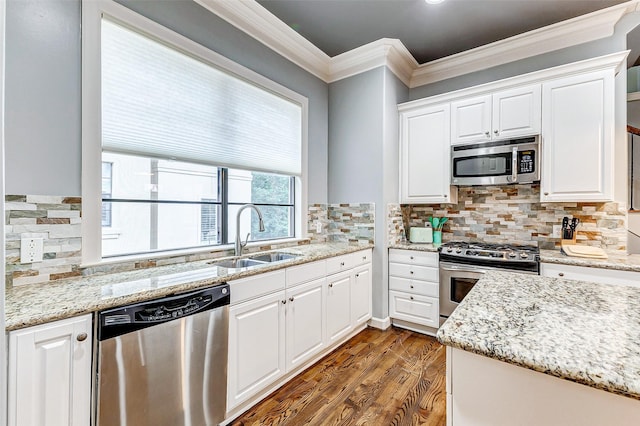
(463, 264)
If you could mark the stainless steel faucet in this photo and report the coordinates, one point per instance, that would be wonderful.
(239, 244)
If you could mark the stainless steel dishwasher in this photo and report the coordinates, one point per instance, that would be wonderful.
(164, 362)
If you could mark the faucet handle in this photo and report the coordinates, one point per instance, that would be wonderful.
(246, 240)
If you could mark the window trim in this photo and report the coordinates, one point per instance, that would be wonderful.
(92, 13)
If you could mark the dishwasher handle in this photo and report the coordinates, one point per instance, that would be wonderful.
(127, 319)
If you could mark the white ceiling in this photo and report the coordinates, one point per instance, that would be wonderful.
(428, 31)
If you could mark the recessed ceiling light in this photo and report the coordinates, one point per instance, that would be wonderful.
(434, 1)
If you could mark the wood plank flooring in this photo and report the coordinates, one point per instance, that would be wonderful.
(391, 377)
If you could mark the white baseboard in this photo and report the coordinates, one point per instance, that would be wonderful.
(380, 323)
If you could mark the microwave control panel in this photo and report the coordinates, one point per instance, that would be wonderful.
(526, 161)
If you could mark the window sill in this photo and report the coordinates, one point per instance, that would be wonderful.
(190, 252)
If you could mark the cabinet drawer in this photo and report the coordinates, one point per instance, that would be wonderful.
(340, 263)
(412, 257)
(596, 275)
(413, 308)
(361, 257)
(405, 285)
(258, 285)
(413, 272)
(307, 272)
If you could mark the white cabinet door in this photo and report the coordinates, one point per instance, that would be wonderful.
(517, 112)
(425, 164)
(577, 138)
(256, 346)
(50, 374)
(361, 295)
(471, 120)
(305, 322)
(338, 306)
(414, 308)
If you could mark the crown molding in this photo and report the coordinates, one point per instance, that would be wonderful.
(582, 29)
(386, 51)
(252, 18)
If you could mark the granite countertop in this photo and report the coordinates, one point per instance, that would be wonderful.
(579, 331)
(415, 246)
(617, 261)
(40, 303)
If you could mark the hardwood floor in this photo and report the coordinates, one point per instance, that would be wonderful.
(392, 377)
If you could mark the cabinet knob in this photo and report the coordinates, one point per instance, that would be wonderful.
(411, 272)
(81, 337)
(561, 274)
(291, 299)
(341, 263)
(330, 285)
(546, 193)
(411, 285)
(357, 275)
(411, 257)
(445, 195)
(496, 132)
(487, 134)
(284, 302)
(411, 297)
(364, 257)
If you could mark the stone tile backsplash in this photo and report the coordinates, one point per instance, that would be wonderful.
(514, 214)
(349, 223)
(57, 220)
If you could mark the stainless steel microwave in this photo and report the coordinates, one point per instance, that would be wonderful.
(496, 163)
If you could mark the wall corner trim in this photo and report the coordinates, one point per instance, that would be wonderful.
(256, 21)
(380, 323)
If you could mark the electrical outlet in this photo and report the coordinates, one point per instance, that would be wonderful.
(31, 250)
(556, 231)
(319, 227)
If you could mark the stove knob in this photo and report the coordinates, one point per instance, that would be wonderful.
(458, 250)
(472, 253)
(524, 255)
(512, 255)
(449, 250)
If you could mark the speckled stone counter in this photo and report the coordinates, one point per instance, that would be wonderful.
(584, 332)
(416, 246)
(40, 303)
(617, 261)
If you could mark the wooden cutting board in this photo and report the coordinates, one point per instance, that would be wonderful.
(584, 251)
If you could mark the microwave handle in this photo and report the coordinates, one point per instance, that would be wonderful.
(514, 165)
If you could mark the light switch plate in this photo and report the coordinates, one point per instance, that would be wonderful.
(31, 250)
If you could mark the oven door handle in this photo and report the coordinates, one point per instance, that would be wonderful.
(466, 268)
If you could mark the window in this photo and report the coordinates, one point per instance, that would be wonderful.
(189, 137)
(107, 173)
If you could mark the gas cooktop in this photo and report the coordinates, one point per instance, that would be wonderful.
(499, 253)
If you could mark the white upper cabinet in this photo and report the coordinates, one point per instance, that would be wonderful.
(517, 112)
(425, 164)
(577, 138)
(471, 120)
(502, 115)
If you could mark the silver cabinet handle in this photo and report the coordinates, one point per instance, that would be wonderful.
(81, 337)
(291, 299)
(561, 274)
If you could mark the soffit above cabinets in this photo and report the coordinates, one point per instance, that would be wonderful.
(255, 20)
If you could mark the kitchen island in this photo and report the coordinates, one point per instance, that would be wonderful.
(531, 350)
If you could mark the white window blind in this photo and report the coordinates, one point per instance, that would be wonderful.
(158, 101)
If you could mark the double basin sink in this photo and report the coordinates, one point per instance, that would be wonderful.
(256, 260)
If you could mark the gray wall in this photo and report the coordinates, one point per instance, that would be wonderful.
(43, 145)
(363, 156)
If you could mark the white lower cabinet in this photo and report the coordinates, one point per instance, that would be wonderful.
(338, 306)
(361, 295)
(305, 322)
(414, 290)
(256, 346)
(50, 374)
(596, 275)
(305, 312)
